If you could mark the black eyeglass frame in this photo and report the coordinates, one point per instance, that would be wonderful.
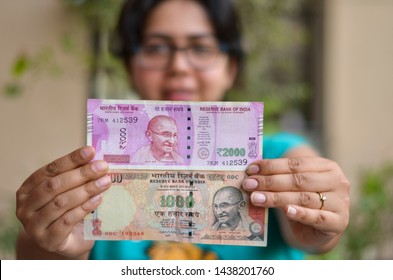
(223, 48)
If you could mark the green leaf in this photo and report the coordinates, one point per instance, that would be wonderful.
(13, 89)
(67, 43)
(20, 66)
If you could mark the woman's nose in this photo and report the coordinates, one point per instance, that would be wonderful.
(179, 61)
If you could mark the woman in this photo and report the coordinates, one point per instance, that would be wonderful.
(187, 50)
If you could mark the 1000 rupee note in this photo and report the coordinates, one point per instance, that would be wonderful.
(199, 207)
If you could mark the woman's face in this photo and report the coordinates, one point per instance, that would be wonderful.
(181, 24)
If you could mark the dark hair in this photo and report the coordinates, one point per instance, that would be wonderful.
(222, 15)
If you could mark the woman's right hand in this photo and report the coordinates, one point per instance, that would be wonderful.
(53, 201)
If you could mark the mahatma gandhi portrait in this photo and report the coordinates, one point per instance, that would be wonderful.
(163, 137)
(228, 203)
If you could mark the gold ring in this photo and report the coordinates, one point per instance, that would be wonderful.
(322, 198)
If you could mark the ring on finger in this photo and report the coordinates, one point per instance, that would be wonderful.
(322, 198)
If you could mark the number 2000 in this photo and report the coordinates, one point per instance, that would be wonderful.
(230, 152)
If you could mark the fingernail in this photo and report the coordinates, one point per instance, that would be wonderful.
(86, 152)
(103, 182)
(99, 166)
(291, 211)
(253, 169)
(258, 198)
(95, 199)
(250, 184)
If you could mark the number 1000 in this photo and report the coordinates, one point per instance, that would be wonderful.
(178, 200)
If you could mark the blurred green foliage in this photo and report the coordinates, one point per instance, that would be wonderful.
(97, 14)
(26, 67)
(275, 39)
(109, 79)
(9, 231)
(370, 230)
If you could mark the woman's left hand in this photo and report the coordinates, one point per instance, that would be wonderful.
(313, 192)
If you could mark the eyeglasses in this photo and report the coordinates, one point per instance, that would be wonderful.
(225, 205)
(166, 134)
(158, 56)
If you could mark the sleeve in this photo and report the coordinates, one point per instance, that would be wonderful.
(276, 145)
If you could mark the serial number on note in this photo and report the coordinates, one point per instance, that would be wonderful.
(129, 120)
(235, 162)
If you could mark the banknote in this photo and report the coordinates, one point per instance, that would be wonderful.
(164, 135)
(207, 207)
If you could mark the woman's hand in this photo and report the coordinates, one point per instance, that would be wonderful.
(313, 192)
(53, 201)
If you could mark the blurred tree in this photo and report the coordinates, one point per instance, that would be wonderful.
(275, 39)
(108, 79)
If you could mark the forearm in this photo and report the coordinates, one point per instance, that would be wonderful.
(27, 249)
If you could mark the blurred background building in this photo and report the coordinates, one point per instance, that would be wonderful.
(340, 85)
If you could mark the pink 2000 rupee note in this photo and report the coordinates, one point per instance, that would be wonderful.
(175, 135)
